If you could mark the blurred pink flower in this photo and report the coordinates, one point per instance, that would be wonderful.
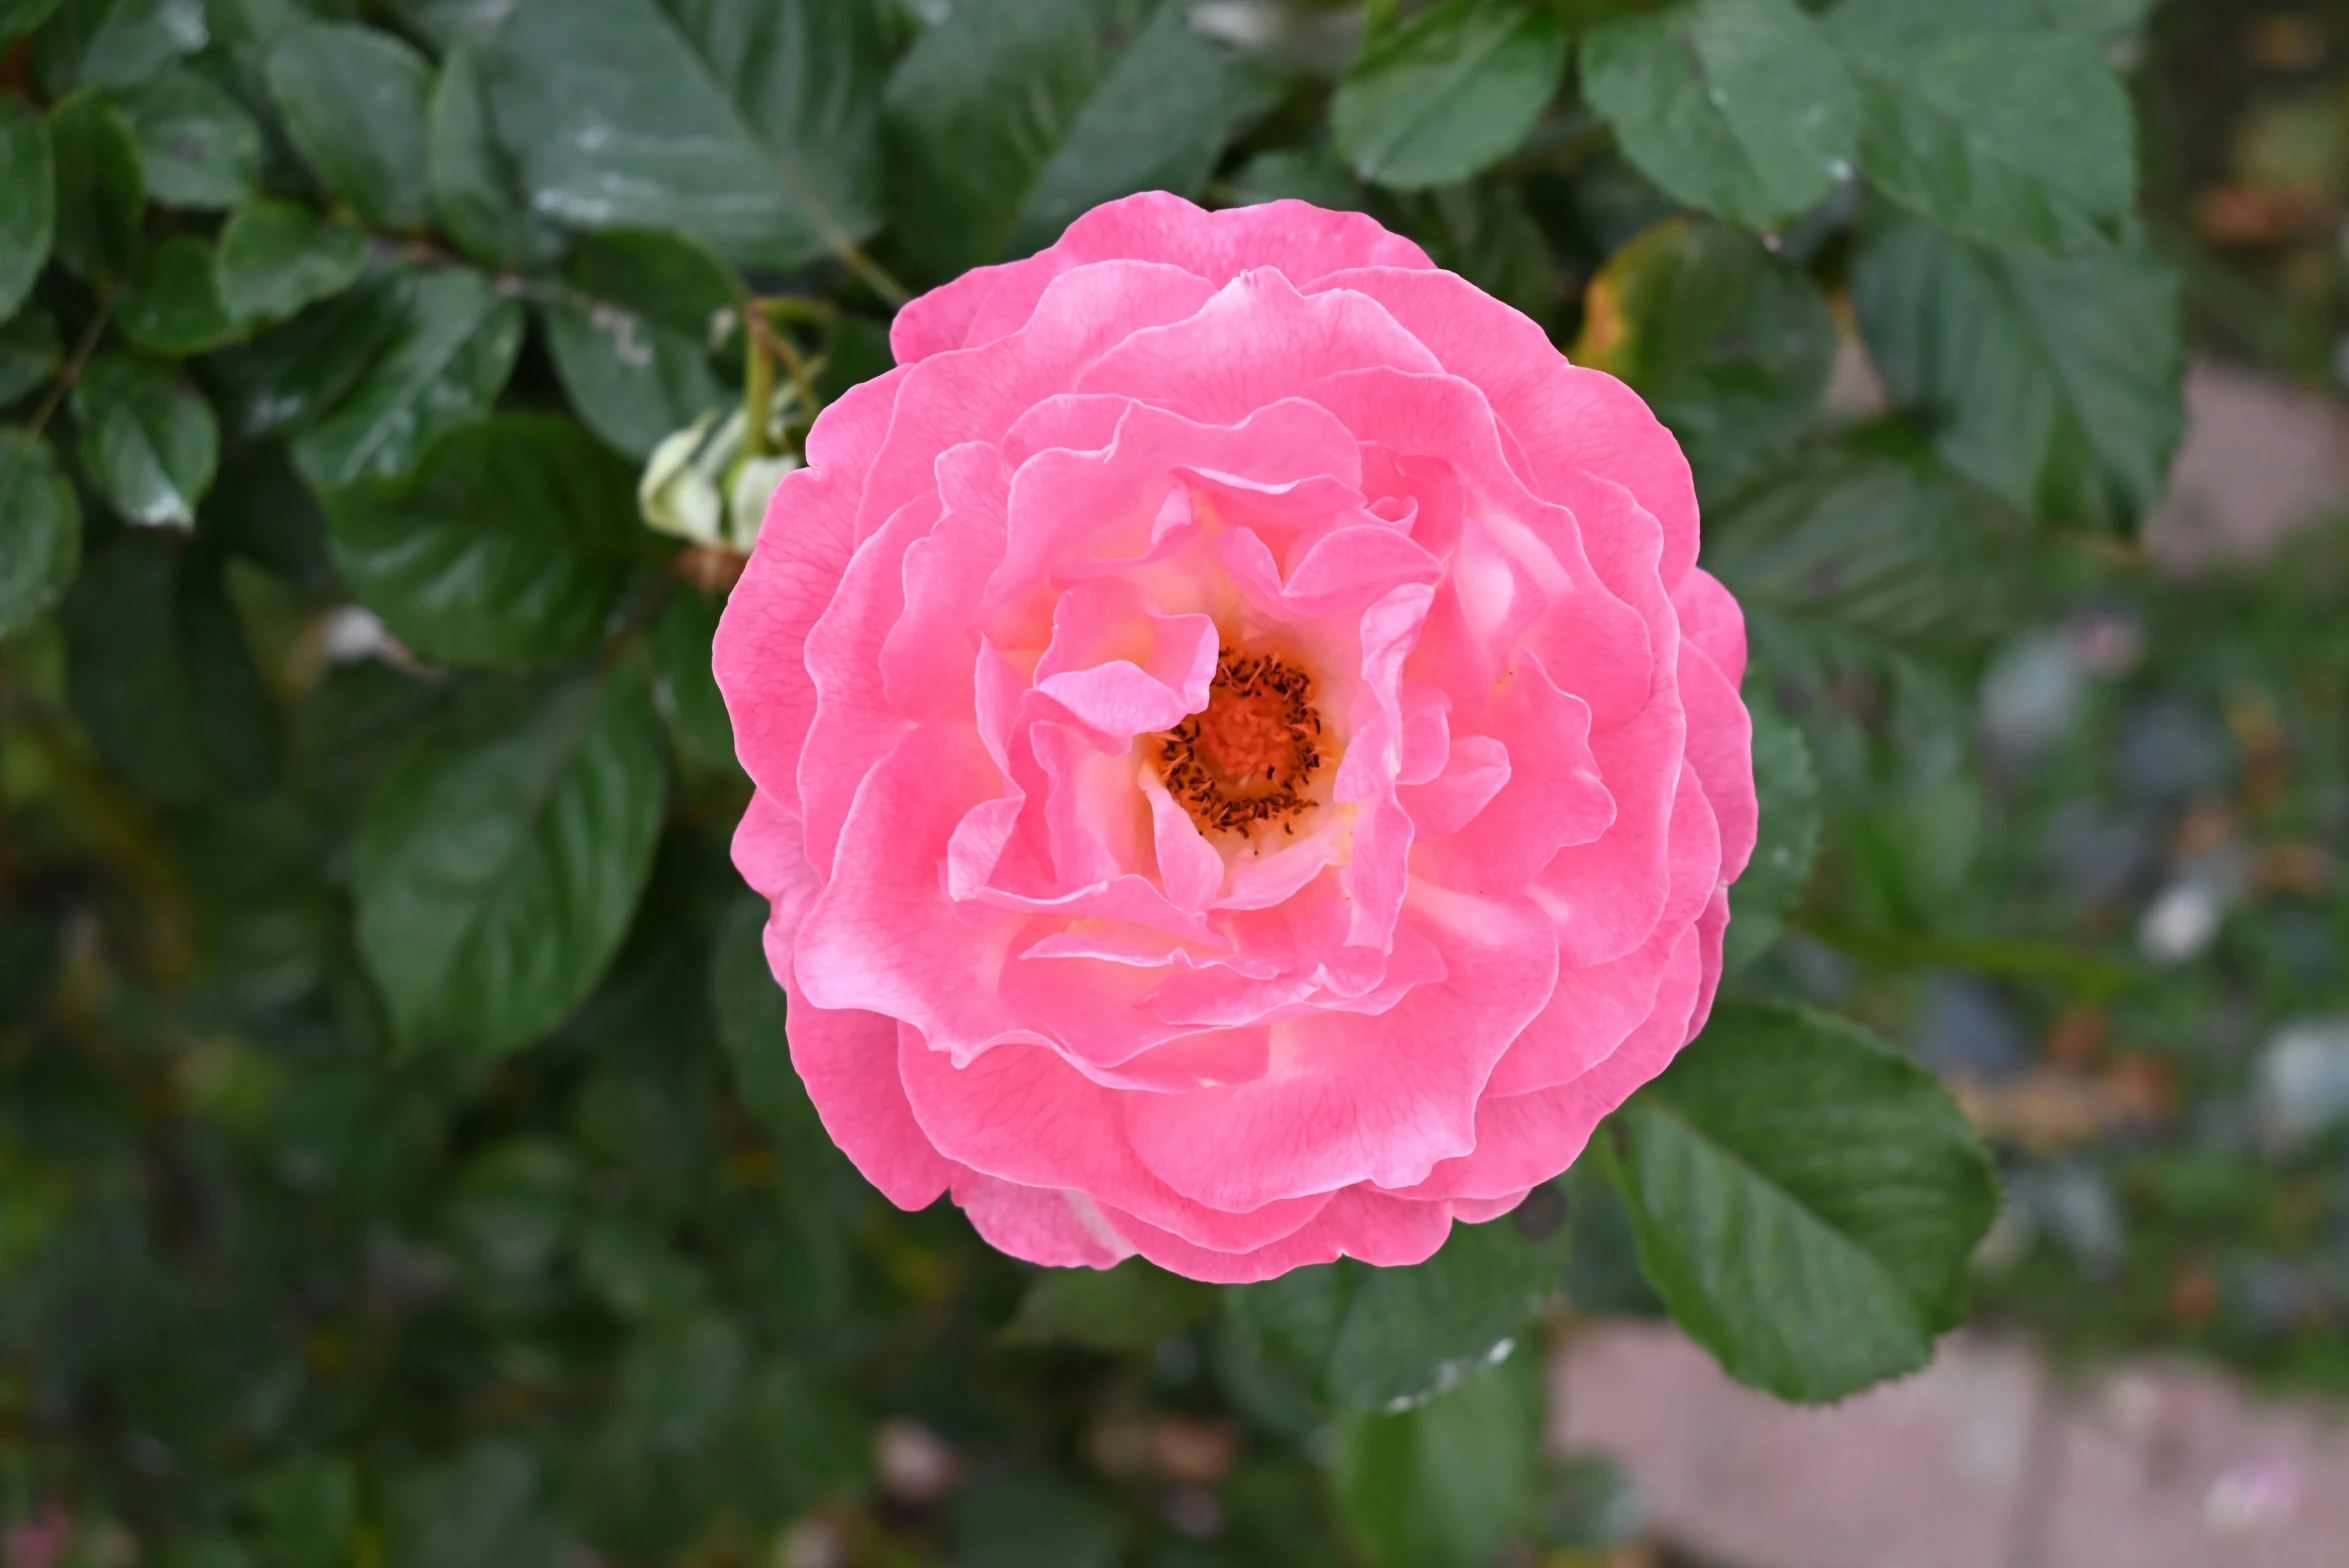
(39, 1542)
(1247, 765)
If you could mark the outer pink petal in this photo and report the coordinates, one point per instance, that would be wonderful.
(1021, 1113)
(1043, 1225)
(978, 394)
(1257, 342)
(1721, 750)
(1711, 619)
(1565, 417)
(1525, 1139)
(796, 566)
(1303, 241)
(1356, 1097)
(884, 936)
(1359, 1222)
(848, 1060)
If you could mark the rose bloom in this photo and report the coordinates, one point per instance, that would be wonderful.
(1247, 764)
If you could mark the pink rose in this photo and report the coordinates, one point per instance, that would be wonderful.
(1248, 767)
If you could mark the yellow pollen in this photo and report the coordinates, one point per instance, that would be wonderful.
(1248, 757)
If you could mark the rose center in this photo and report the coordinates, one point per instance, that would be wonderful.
(1248, 757)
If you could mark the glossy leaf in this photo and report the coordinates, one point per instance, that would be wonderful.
(685, 687)
(1130, 1307)
(1805, 1198)
(159, 672)
(1787, 783)
(40, 530)
(197, 144)
(149, 442)
(173, 306)
(115, 43)
(501, 856)
(288, 375)
(749, 124)
(475, 192)
(487, 1508)
(443, 368)
(1741, 107)
(354, 100)
(28, 194)
(1990, 120)
(1449, 92)
(1033, 1519)
(632, 342)
(1867, 538)
(1729, 345)
(1368, 1338)
(2053, 381)
(1445, 1484)
(509, 544)
(1012, 117)
(278, 256)
(30, 351)
(101, 194)
(18, 17)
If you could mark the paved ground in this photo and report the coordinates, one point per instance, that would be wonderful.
(1985, 1460)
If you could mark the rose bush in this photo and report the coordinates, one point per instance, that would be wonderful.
(1248, 767)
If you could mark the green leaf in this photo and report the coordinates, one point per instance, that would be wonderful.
(679, 1380)
(159, 672)
(501, 856)
(1484, 231)
(509, 544)
(1311, 174)
(1805, 1199)
(197, 144)
(1449, 92)
(28, 194)
(1013, 117)
(1788, 785)
(1863, 538)
(278, 256)
(19, 17)
(354, 101)
(40, 530)
(149, 442)
(475, 193)
(749, 124)
(1032, 1519)
(633, 351)
(290, 374)
(30, 352)
(1741, 107)
(1729, 345)
(1990, 120)
(114, 43)
(2051, 381)
(487, 1509)
(1369, 1338)
(685, 686)
(173, 304)
(101, 195)
(1445, 1484)
(307, 1509)
(1130, 1307)
(454, 349)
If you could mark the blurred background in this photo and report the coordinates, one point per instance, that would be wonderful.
(272, 1293)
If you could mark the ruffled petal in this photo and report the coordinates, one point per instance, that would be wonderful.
(1355, 1097)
